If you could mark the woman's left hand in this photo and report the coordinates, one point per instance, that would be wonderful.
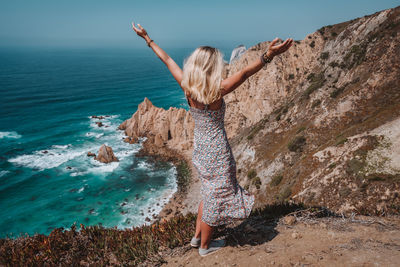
(275, 50)
(141, 32)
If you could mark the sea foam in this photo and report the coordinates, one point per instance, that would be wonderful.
(12, 134)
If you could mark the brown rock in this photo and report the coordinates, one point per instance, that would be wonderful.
(90, 154)
(172, 128)
(289, 220)
(131, 140)
(99, 123)
(168, 211)
(97, 117)
(105, 154)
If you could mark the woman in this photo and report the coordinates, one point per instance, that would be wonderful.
(223, 199)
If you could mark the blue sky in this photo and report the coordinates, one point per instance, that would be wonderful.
(171, 23)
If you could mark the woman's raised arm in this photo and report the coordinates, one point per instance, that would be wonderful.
(171, 65)
(231, 83)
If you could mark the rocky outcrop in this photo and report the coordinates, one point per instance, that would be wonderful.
(172, 128)
(105, 154)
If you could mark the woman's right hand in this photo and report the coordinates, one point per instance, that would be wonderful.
(274, 50)
(141, 32)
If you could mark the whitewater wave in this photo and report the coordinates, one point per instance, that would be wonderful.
(58, 154)
(2, 173)
(13, 135)
(47, 159)
(146, 205)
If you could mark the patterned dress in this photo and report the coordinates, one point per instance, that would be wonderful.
(224, 200)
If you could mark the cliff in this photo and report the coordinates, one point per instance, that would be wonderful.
(320, 125)
(172, 128)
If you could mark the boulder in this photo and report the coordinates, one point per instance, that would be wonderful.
(105, 155)
(131, 140)
(90, 154)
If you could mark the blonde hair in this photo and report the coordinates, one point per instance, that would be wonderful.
(202, 74)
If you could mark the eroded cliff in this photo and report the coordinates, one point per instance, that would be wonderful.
(319, 125)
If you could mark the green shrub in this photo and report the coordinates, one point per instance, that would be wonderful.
(297, 143)
(251, 174)
(341, 141)
(276, 180)
(312, 44)
(333, 34)
(291, 76)
(332, 165)
(183, 176)
(337, 91)
(257, 182)
(284, 193)
(302, 128)
(317, 81)
(355, 56)
(315, 103)
(324, 55)
(333, 64)
(260, 125)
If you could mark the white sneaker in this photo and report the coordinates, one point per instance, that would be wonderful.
(213, 247)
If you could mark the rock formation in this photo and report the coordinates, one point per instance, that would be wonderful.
(105, 154)
(172, 128)
(319, 125)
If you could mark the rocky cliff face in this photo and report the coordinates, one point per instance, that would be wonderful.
(172, 128)
(319, 125)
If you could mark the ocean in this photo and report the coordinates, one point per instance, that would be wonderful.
(47, 99)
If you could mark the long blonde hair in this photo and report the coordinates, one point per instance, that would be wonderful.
(202, 74)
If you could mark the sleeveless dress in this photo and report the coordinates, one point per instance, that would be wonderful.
(224, 200)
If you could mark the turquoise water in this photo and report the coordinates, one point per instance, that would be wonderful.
(47, 98)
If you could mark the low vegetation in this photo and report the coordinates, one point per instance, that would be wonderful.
(324, 55)
(257, 182)
(96, 245)
(183, 176)
(316, 103)
(259, 126)
(355, 56)
(316, 82)
(297, 143)
(276, 180)
(285, 193)
(251, 174)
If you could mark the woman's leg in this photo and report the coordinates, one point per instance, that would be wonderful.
(206, 233)
(203, 230)
(198, 221)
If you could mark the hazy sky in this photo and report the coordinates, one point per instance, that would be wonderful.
(171, 23)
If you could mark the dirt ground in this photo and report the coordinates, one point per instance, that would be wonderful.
(300, 240)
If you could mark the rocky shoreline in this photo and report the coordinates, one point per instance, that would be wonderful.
(185, 199)
(169, 136)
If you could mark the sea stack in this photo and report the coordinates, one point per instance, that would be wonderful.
(105, 154)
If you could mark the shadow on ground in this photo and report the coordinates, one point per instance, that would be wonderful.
(260, 226)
